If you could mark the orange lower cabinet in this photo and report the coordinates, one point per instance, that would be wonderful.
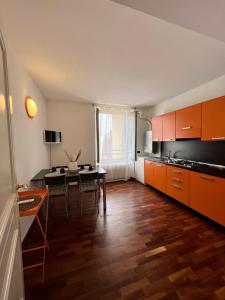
(149, 172)
(160, 177)
(177, 184)
(207, 196)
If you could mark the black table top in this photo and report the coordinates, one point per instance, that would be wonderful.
(69, 174)
(206, 169)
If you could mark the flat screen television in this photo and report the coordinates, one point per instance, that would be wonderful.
(53, 137)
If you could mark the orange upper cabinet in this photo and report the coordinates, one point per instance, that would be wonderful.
(213, 119)
(188, 122)
(157, 128)
(207, 196)
(169, 126)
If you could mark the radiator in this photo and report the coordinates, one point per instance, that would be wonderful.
(118, 171)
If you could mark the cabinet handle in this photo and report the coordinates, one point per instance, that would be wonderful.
(176, 186)
(168, 140)
(177, 180)
(207, 178)
(160, 166)
(218, 138)
(186, 128)
(176, 172)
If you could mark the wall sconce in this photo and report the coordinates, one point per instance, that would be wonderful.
(31, 107)
(10, 105)
(2, 104)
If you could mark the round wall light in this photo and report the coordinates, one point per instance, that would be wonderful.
(31, 107)
(2, 104)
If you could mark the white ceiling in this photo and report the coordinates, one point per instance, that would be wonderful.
(101, 51)
(203, 16)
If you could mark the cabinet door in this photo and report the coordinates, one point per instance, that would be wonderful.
(157, 129)
(160, 177)
(207, 196)
(149, 172)
(188, 122)
(213, 120)
(169, 126)
(177, 184)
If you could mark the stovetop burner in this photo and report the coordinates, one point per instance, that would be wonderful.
(185, 163)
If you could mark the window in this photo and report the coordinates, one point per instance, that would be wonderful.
(116, 131)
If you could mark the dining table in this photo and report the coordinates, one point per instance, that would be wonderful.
(38, 180)
(31, 209)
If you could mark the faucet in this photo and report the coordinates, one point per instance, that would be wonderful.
(175, 153)
(168, 156)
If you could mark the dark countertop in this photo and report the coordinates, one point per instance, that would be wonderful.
(206, 169)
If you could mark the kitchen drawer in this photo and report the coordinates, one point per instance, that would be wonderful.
(177, 184)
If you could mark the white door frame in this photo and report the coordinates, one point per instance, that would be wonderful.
(11, 271)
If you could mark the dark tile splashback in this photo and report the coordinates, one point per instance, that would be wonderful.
(209, 152)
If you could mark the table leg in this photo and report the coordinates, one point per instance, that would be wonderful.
(42, 231)
(104, 193)
(46, 220)
(43, 266)
(44, 234)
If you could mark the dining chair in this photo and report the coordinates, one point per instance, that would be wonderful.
(88, 183)
(57, 187)
(72, 187)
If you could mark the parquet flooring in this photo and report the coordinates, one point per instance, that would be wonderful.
(146, 247)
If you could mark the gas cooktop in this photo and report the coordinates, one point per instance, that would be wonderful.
(192, 164)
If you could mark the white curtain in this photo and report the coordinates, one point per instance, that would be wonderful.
(116, 142)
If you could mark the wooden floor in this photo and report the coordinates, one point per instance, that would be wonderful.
(146, 247)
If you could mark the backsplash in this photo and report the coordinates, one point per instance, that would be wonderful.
(209, 152)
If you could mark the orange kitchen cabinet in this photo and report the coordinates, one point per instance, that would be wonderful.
(169, 127)
(177, 184)
(157, 128)
(189, 122)
(160, 177)
(207, 196)
(149, 172)
(213, 119)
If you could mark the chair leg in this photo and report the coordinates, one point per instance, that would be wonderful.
(81, 204)
(66, 205)
(68, 193)
(99, 188)
(96, 201)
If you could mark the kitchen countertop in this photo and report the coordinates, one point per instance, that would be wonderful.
(201, 168)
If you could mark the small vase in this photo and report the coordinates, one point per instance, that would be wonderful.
(72, 166)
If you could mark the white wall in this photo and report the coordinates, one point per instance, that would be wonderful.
(76, 121)
(30, 152)
(209, 90)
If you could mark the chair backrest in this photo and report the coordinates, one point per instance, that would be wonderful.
(59, 167)
(55, 180)
(87, 177)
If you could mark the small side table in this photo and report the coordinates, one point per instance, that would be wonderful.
(33, 210)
